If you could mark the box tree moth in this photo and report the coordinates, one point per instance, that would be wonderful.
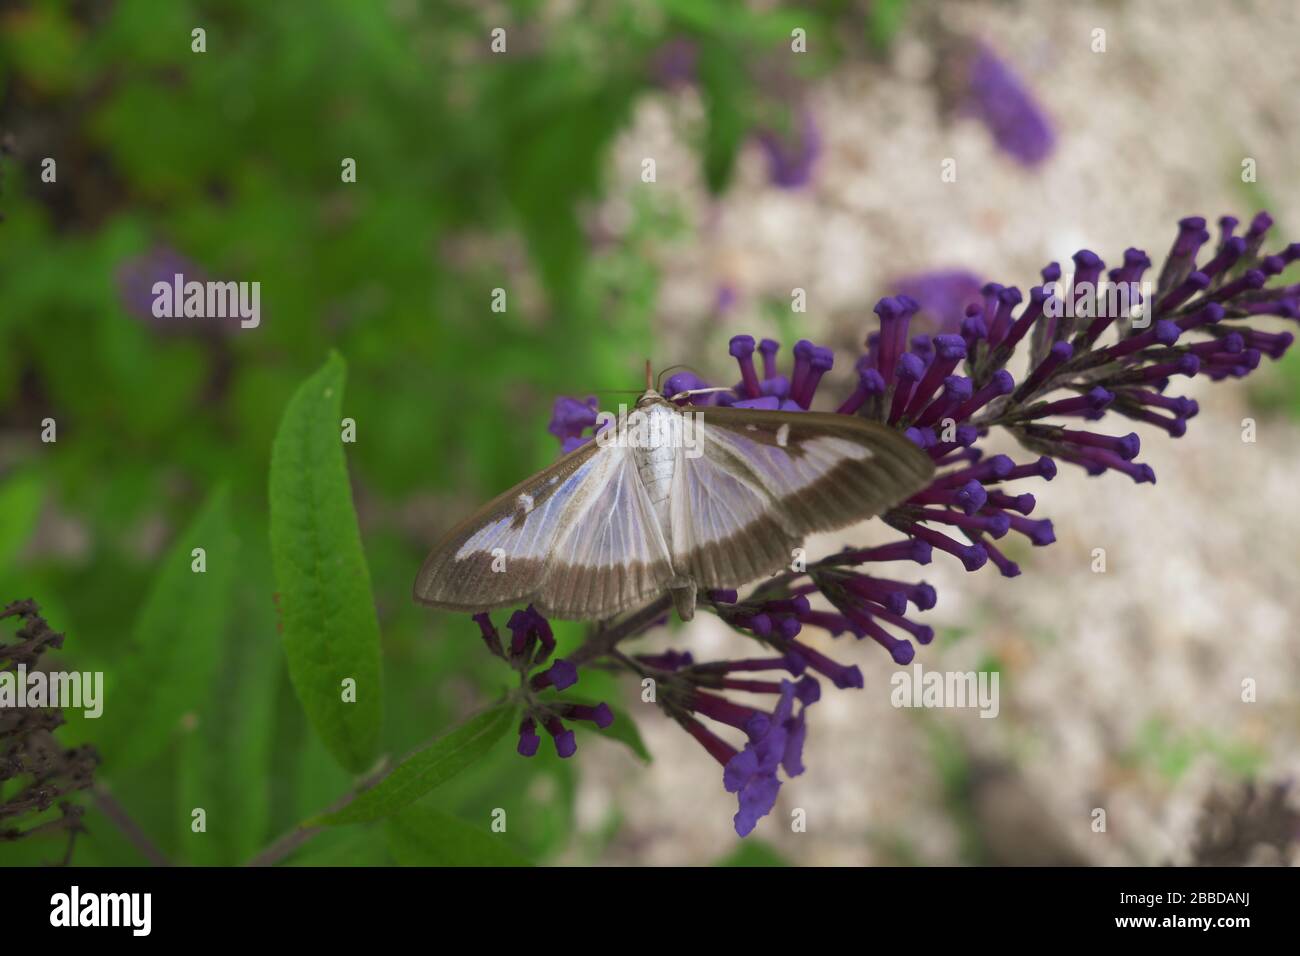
(670, 498)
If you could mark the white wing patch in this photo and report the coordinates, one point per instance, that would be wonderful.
(710, 504)
(763, 483)
(780, 472)
(542, 525)
(617, 527)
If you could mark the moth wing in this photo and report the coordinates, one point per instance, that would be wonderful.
(574, 540)
(725, 528)
(764, 480)
(614, 556)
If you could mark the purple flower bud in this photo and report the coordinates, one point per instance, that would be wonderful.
(566, 744)
(560, 675)
(528, 739)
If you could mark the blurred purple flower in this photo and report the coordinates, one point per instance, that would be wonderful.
(136, 277)
(570, 417)
(997, 97)
(791, 155)
(673, 64)
(942, 295)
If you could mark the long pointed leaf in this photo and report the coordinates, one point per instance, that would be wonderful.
(331, 633)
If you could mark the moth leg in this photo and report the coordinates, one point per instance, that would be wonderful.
(683, 594)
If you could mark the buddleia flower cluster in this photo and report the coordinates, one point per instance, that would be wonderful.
(529, 652)
(1088, 359)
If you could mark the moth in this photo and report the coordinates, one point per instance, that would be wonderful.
(670, 498)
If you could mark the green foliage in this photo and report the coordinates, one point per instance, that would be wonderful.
(753, 853)
(331, 633)
(174, 652)
(884, 18)
(20, 504)
(1170, 752)
(225, 759)
(422, 836)
(426, 769)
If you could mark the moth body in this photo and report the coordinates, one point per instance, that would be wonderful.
(656, 451)
(656, 460)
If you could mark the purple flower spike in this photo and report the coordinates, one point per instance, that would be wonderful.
(1002, 102)
(946, 390)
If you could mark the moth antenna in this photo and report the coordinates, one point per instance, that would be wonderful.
(665, 371)
(700, 391)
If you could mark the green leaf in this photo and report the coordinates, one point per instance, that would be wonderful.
(176, 642)
(423, 836)
(355, 846)
(753, 853)
(724, 86)
(20, 505)
(331, 632)
(226, 759)
(884, 18)
(426, 769)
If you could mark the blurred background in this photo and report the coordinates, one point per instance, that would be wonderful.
(775, 168)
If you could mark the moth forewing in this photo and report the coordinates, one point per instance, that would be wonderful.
(577, 540)
(820, 471)
(458, 573)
